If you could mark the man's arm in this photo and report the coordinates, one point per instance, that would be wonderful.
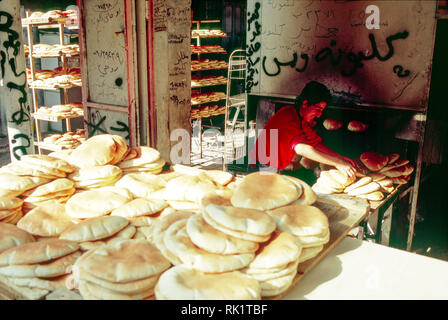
(331, 158)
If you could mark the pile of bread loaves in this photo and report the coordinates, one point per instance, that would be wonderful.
(64, 110)
(106, 221)
(67, 140)
(377, 175)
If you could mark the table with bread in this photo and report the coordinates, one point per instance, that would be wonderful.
(110, 221)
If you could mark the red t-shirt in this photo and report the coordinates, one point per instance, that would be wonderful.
(291, 130)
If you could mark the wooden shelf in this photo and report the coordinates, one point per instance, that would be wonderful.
(50, 147)
(208, 81)
(207, 49)
(52, 88)
(54, 117)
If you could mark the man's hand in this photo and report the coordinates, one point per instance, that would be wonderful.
(347, 168)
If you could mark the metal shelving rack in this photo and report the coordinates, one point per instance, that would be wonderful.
(197, 85)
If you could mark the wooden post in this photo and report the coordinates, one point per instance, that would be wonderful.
(15, 87)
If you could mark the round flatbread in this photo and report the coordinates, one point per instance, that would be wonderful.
(36, 252)
(140, 207)
(96, 202)
(141, 184)
(309, 253)
(55, 268)
(145, 155)
(9, 203)
(280, 250)
(315, 240)
(251, 221)
(46, 220)
(124, 261)
(300, 220)
(95, 174)
(265, 276)
(13, 182)
(184, 283)
(12, 236)
(178, 242)
(234, 233)
(276, 286)
(98, 150)
(190, 188)
(98, 292)
(54, 186)
(212, 240)
(95, 229)
(308, 196)
(264, 191)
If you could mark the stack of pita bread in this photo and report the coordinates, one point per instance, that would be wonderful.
(377, 175)
(10, 209)
(59, 190)
(142, 159)
(97, 202)
(185, 283)
(11, 236)
(275, 265)
(42, 166)
(125, 270)
(46, 220)
(185, 187)
(99, 150)
(308, 224)
(94, 232)
(96, 177)
(44, 265)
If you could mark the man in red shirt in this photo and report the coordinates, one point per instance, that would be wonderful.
(288, 134)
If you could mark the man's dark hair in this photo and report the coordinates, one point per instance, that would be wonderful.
(314, 92)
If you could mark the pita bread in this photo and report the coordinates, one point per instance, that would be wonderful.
(44, 284)
(319, 188)
(47, 220)
(398, 163)
(308, 196)
(96, 202)
(12, 236)
(251, 221)
(404, 170)
(276, 286)
(96, 174)
(132, 287)
(368, 188)
(36, 252)
(8, 203)
(139, 207)
(124, 261)
(121, 149)
(7, 213)
(127, 233)
(209, 239)
(12, 182)
(280, 270)
(183, 205)
(178, 242)
(91, 291)
(145, 155)
(234, 233)
(98, 150)
(14, 218)
(44, 169)
(358, 184)
(142, 184)
(374, 161)
(314, 240)
(9, 193)
(220, 177)
(373, 196)
(265, 276)
(20, 169)
(154, 166)
(144, 221)
(300, 220)
(280, 250)
(61, 154)
(264, 191)
(48, 161)
(309, 253)
(95, 229)
(53, 269)
(184, 283)
(327, 180)
(190, 188)
(54, 186)
(392, 158)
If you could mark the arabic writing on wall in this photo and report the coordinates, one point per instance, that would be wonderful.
(254, 32)
(15, 85)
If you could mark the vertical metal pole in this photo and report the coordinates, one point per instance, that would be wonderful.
(15, 87)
